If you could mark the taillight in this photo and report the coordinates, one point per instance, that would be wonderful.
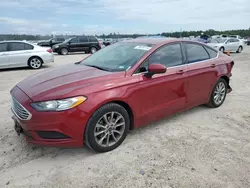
(49, 50)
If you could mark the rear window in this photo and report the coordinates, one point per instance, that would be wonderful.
(196, 53)
(3, 47)
(92, 39)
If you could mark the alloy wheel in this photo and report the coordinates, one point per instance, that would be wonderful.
(93, 50)
(109, 129)
(35, 63)
(219, 93)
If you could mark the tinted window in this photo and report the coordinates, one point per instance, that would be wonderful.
(230, 40)
(3, 47)
(211, 52)
(92, 39)
(83, 39)
(74, 40)
(28, 47)
(169, 56)
(196, 53)
(235, 40)
(59, 39)
(16, 46)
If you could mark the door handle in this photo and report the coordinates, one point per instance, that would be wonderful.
(180, 71)
(213, 65)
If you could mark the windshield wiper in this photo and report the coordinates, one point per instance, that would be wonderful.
(97, 67)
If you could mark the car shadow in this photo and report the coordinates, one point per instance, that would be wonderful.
(86, 152)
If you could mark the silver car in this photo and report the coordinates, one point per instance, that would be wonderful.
(227, 44)
(23, 54)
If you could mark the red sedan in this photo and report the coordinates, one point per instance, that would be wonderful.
(123, 86)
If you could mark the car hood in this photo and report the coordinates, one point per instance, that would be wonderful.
(61, 82)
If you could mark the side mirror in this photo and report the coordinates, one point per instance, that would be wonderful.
(155, 69)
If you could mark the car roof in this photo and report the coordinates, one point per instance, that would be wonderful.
(154, 40)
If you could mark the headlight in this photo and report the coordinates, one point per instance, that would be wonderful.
(59, 105)
(56, 46)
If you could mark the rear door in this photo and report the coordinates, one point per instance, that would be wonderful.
(235, 44)
(163, 94)
(84, 43)
(19, 53)
(201, 73)
(4, 59)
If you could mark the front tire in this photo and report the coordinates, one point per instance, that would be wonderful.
(64, 51)
(107, 128)
(35, 62)
(222, 49)
(218, 94)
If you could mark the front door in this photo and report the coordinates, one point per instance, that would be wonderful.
(74, 45)
(162, 94)
(4, 59)
(201, 73)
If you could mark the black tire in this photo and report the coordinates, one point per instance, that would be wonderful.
(212, 102)
(89, 137)
(240, 49)
(64, 51)
(35, 62)
(222, 49)
(93, 50)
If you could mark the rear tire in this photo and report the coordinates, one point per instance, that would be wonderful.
(218, 94)
(93, 50)
(240, 49)
(107, 128)
(64, 51)
(35, 62)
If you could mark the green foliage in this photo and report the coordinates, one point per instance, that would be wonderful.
(210, 32)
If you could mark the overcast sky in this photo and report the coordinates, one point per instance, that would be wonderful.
(123, 16)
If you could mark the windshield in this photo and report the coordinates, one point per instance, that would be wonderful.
(117, 57)
(218, 40)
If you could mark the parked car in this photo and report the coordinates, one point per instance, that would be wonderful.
(87, 44)
(51, 42)
(227, 44)
(22, 54)
(123, 86)
(248, 41)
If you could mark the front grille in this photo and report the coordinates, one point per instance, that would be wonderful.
(19, 110)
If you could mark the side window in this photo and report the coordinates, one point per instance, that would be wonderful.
(74, 40)
(28, 47)
(169, 55)
(229, 41)
(3, 47)
(83, 39)
(92, 39)
(16, 46)
(212, 53)
(235, 40)
(196, 53)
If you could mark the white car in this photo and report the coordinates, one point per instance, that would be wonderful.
(227, 44)
(23, 54)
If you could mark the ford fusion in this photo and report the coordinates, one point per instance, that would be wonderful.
(96, 101)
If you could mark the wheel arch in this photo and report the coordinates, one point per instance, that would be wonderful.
(122, 103)
(33, 56)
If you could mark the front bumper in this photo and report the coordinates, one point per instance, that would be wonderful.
(60, 129)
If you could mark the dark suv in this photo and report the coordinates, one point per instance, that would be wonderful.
(87, 44)
(51, 42)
